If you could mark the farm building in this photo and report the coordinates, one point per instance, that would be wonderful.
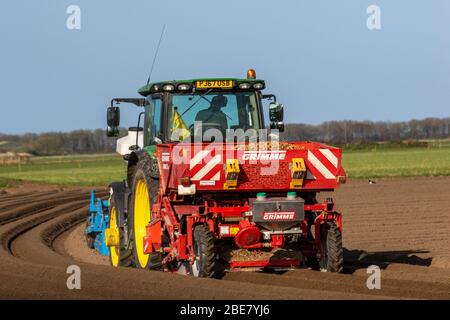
(8, 158)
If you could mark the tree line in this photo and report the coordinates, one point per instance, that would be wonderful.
(57, 143)
(337, 132)
(343, 132)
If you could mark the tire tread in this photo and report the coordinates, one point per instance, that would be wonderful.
(203, 235)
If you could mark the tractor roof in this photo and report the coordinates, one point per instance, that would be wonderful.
(185, 86)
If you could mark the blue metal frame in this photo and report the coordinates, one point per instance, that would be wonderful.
(98, 222)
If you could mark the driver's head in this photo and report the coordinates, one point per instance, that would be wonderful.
(219, 101)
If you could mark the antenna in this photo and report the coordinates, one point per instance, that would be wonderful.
(156, 53)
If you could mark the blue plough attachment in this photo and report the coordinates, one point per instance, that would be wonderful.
(97, 223)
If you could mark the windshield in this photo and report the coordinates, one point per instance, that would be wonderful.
(222, 111)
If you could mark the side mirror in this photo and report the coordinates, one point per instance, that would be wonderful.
(276, 115)
(276, 112)
(113, 117)
(113, 121)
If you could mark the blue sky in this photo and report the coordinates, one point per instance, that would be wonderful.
(318, 57)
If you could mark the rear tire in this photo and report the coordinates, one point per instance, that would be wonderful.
(331, 243)
(120, 256)
(143, 196)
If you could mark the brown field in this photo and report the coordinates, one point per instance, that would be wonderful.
(399, 224)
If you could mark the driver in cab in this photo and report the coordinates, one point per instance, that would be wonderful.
(213, 114)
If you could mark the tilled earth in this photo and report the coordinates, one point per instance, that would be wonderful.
(401, 225)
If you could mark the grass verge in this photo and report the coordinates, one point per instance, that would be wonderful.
(87, 170)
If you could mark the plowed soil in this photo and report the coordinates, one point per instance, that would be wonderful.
(401, 225)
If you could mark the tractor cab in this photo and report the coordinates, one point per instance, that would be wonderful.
(198, 110)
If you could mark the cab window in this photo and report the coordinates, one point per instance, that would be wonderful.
(235, 110)
(152, 120)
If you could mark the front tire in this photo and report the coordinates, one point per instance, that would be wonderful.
(331, 243)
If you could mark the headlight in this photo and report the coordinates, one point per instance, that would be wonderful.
(244, 85)
(168, 87)
(258, 86)
(183, 87)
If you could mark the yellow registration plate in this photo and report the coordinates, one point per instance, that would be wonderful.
(206, 84)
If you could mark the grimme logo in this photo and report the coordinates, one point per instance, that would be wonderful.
(278, 216)
(264, 155)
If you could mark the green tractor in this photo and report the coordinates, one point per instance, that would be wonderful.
(197, 195)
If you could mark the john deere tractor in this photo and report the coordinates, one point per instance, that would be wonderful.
(210, 187)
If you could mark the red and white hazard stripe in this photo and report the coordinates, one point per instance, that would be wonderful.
(322, 163)
(202, 170)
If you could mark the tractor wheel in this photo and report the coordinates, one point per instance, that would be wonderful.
(121, 255)
(143, 196)
(89, 238)
(331, 243)
(205, 257)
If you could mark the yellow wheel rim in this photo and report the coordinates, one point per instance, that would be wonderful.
(113, 251)
(142, 215)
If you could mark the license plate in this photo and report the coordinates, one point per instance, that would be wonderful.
(206, 84)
